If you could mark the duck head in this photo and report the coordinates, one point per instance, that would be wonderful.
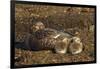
(37, 26)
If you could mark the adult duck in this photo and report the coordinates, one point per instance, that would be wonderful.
(44, 38)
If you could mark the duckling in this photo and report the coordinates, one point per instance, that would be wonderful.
(75, 46)
(62, 45)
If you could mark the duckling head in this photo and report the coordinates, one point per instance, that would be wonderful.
(62, 46)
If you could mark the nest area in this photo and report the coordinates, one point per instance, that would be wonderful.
(59, 18)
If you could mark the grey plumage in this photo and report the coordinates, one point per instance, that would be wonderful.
(51, 39)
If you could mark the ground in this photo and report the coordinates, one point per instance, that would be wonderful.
(59, 18)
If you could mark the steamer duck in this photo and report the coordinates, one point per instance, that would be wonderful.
(50, 39)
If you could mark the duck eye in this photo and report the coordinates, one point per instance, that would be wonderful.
(71, 41)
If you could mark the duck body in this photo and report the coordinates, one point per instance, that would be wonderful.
(51, 39)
